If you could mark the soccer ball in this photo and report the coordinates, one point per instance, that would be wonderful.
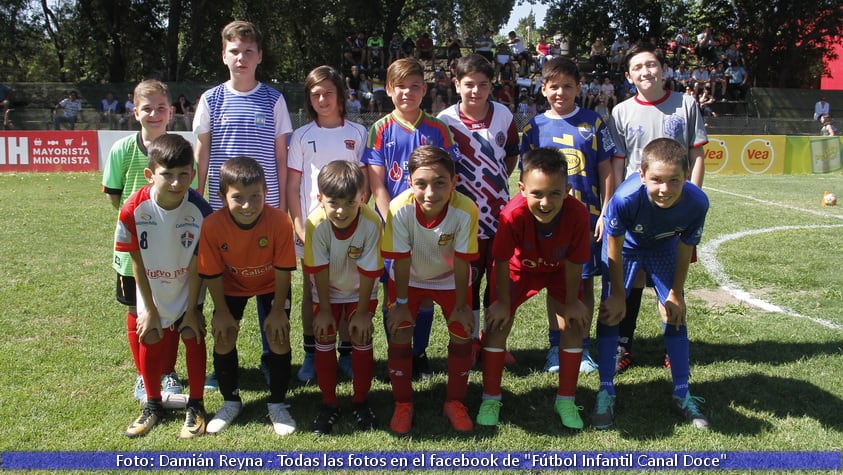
(829, 199)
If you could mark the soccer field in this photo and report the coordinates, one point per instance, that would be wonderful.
(765, 323)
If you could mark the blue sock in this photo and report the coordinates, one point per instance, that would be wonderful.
(421, 333)
(607, 346)
(676, 342)
(586, 343)
(553, 337)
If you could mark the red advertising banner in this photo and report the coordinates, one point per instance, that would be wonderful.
(49, 151)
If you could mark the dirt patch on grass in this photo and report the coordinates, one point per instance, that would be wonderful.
(715, 298)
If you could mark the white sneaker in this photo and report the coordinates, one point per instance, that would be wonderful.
(170, 383)
(281, 419)
(225, 416)
(171, 401)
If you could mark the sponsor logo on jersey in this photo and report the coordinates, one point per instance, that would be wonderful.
(446, 239)
(263, 241)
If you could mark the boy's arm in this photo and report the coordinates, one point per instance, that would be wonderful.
(377, 174)
(696, 156)
(618, 170)
(607, 189)
(192, 316)
(294, 204)
(399, 314)
(674, 305)
(324, 320)
(203, 156)
(277, 323)
(613, 309)
(148, 320)
(281, 164)
(114, 200)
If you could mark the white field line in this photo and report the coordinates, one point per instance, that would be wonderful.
(707, 254)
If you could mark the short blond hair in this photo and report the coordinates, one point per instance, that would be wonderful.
(150, 87)
(245, 30)
(403, 68)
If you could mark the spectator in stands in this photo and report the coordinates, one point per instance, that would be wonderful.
(681, 78)
(732, 54)
(719, 81)
(737, 81)
(355, 49)
(700, 77)
(443, 87)
(607, 89)
(71, 106)
(454, 48)
(4, 99)
(543, 49)
(394, 48)
(108, 111)
(828, 128)
(506, 96)
(424, 48)
(618, 51)
(408, 48)
(128, 120)
(668, 76)
(705, 100)
(705, 46)
(378, 85)
(507, 74)
(485, 45)
(598, 56)
(182, 114)
(353, 105)
(374, 50)
(682, 44)
(516, 46)
(503, 55)
(821, 107)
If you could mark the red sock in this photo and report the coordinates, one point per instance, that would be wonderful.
(569, 372)
(492, 371)
(363, 367)
(171, 351)
(400, 364)
(196, 357)
(151, 357)
(326, 371)
(459, 366)
(132, 333)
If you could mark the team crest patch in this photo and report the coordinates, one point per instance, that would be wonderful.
(349, 144)
(446, 239)
(500, 139)
(586, 131)
(355, 252)
(263, 241)
(395, 173)
(187, 239)
(260, 119)
(674, 127)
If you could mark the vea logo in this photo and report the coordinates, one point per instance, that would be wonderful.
(757, 156)
(716, 156)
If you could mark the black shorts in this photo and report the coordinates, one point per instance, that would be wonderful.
(126, 290)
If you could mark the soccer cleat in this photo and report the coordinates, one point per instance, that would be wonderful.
(140, 389)
(604, 410)
(551, 364)
(282, 422)
(366, 419)
(569, 413)
(623, 360)
(456, 412)
(194, 423)
(325, 420)
(307, 372)
(344, 363)
(170, 383)
(587, 364)
(402, 418)
(421, 367)
(150, 416)
(688, 409)
(667, 361)
(225, 416)
(211, 383)
(489, 412)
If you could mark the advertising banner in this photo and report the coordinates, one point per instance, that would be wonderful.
(49, 151)
(745, 154)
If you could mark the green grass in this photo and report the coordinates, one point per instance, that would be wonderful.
(771, 381)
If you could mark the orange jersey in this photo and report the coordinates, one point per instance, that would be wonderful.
(246, 258)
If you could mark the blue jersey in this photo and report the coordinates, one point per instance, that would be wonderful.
(649, 228)
(391, 141)
(584, 140)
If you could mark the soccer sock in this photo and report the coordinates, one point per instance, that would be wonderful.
(400, 364)
(171, 352)
(677, 344)
(492, 372)
(475, 335)
(607, 345)
(309, 343)
(421, 333)
(586, 344)
(279, 375)
(344, 348)
(134, 343)
(363, 367)
(459, 366)
(569, 371)
(197, 361)
(627, 325)
(151, 363)
(553, 337)
(226, 367)
(326, 372)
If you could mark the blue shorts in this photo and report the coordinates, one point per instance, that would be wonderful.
(659, 265)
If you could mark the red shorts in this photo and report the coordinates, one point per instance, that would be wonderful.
(447, 300)
(345, 311)
(524, 285)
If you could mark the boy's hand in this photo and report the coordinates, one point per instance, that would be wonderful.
(673, 311)
(398, 317)
(573, 316)
(361, 327)
(323, 322)
(463, 315)
(195, 323)
(149, 326)
(612, 310)
(598, 229)
(222, 322)
(277, 326)
(497, 316)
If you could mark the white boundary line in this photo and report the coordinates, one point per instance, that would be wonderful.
(708, 257)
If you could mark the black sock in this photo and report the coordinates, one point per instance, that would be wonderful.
(279, 375)
(226, 367)
(627, 325)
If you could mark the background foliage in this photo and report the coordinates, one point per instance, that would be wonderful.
(178, 40)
